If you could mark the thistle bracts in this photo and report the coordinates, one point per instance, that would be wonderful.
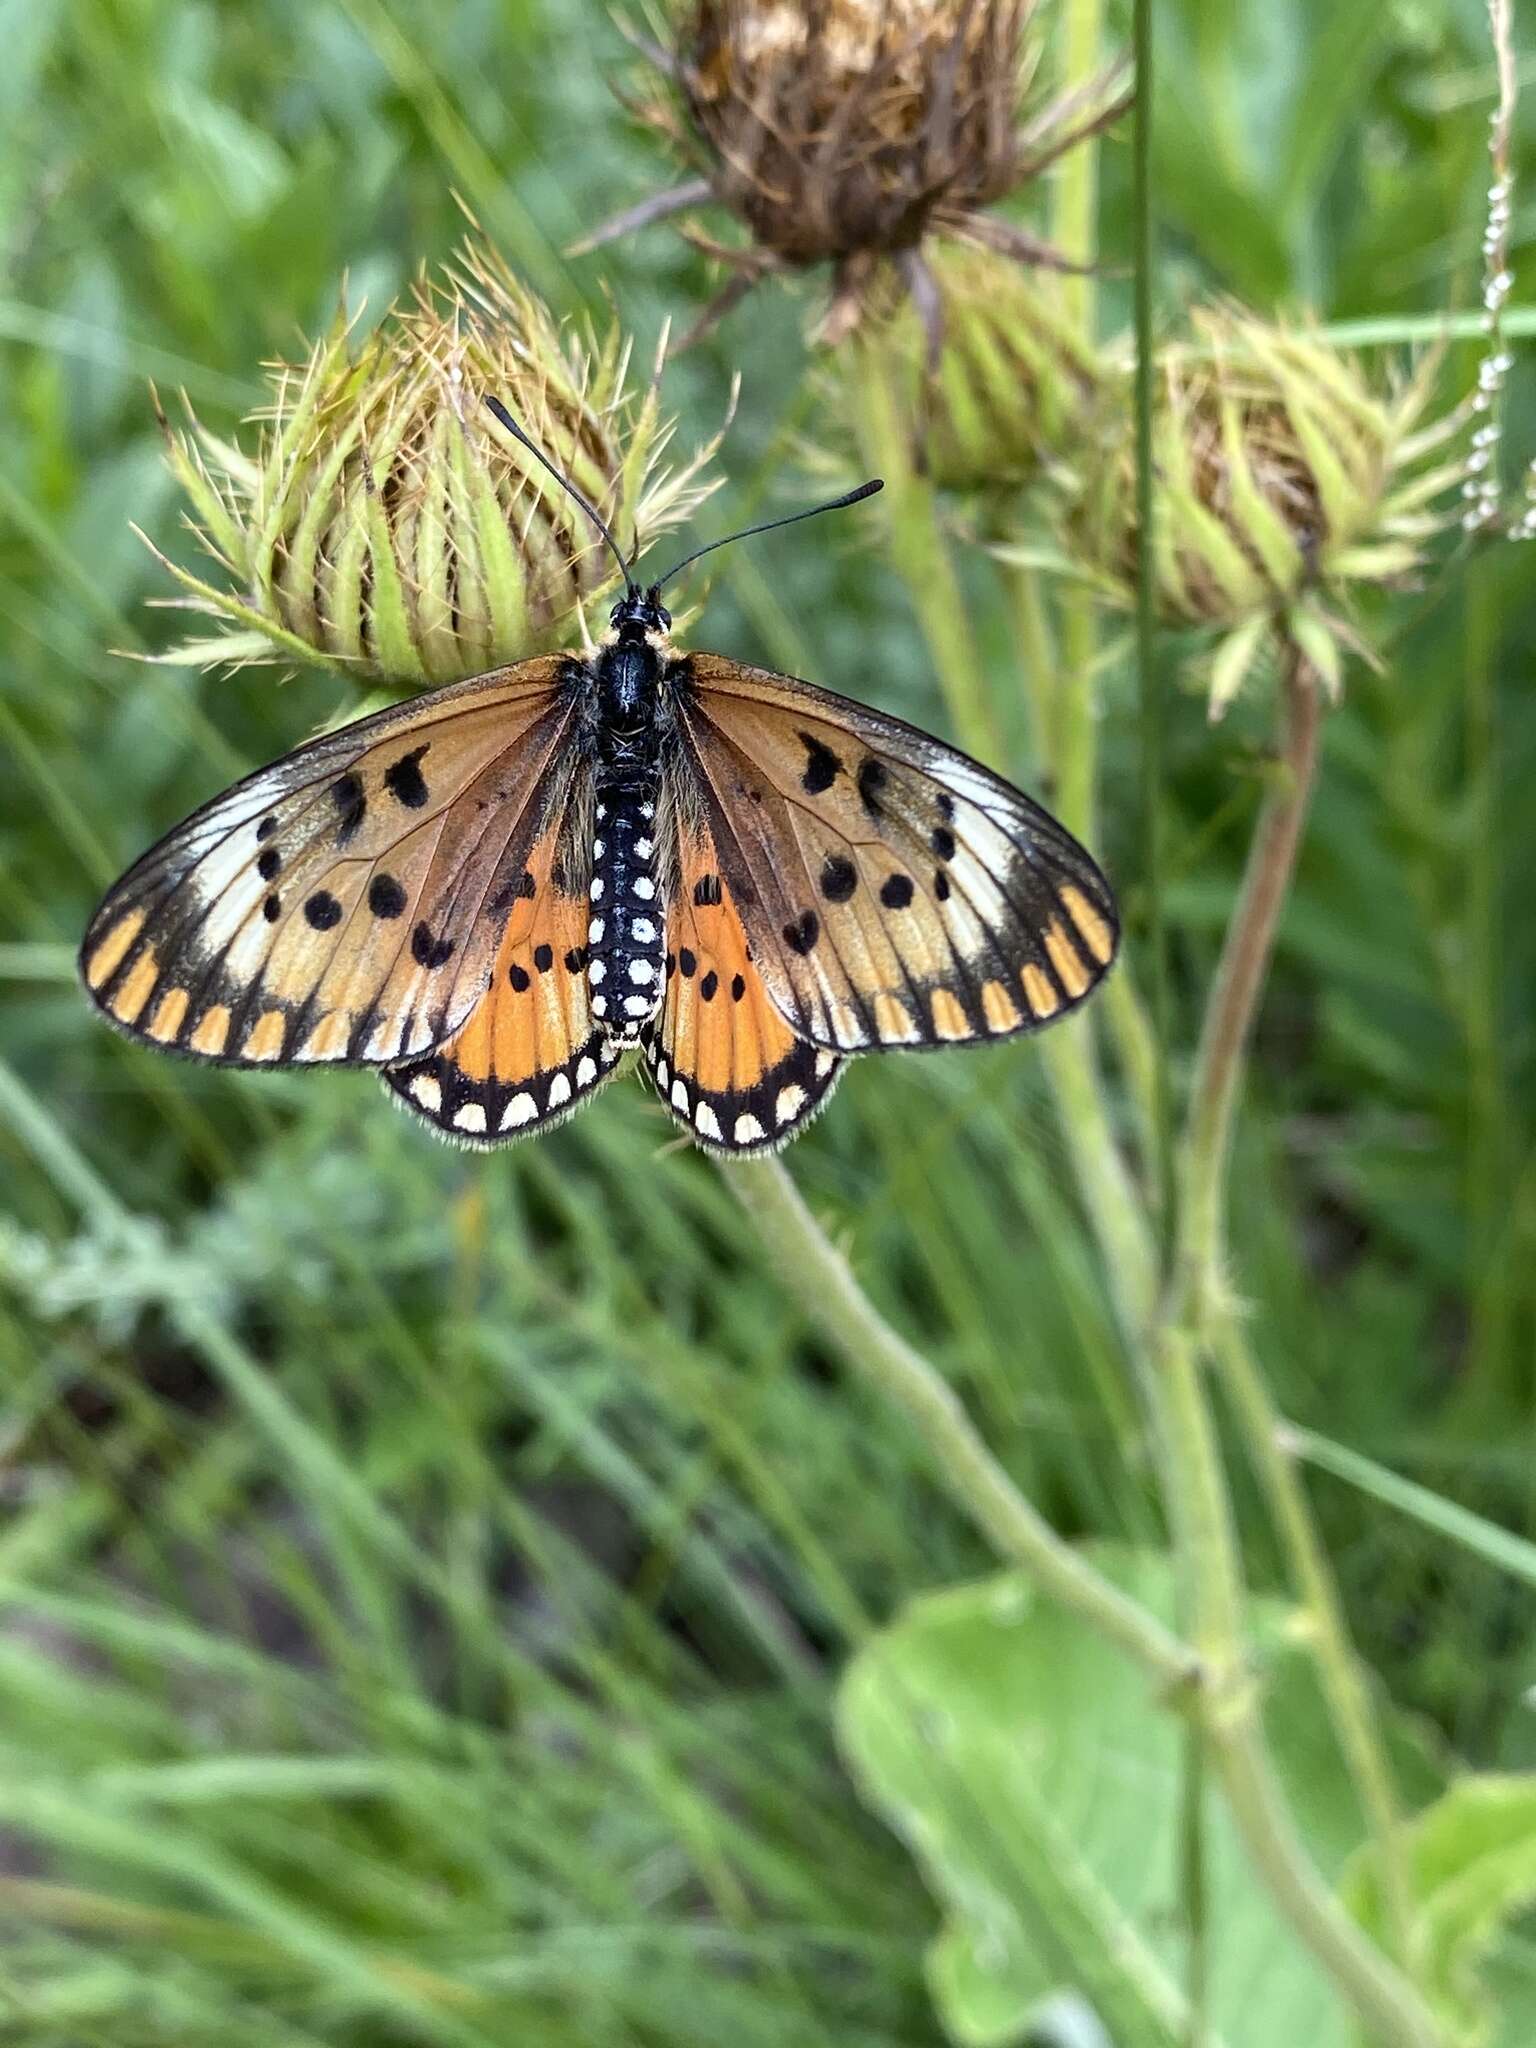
(854, 133)
(1287, 484)
(385, 522)
(1006, 394)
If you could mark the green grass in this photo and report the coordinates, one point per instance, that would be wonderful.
(424, 1578)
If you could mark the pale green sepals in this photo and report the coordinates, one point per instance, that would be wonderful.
(1315, 638)
(1233, 660)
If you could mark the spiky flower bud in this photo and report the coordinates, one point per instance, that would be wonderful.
(1286, 483)
(1006, 393)
(387, 524)
(851, 132)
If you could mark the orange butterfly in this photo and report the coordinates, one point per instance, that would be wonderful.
(493, 891)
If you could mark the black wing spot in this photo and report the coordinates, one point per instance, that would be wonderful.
(405, 781)
(576, 959)
(803, 933)
(267, 826)
(839, 878)
(427, 951)
(686, 961)
(872, 779)
(708, 986)
(520, 889)
(706, 890)
(943, 842)
(323, 911)
(272, 909)
(671, 965)
(269, 865)
(944, 804)
(386, 898)
(896, 892)
(822, 767)
(941, 885)
(519, 979)
(351, 805)
(738, 987)
(543, 958)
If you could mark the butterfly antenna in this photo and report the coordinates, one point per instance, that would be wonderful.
(876, 483)
(495, 405)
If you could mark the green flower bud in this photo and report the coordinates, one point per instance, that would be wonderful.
(1286, 483)
(1008, 392)
(386, 523)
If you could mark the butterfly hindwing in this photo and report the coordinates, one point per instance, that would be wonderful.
(529, 1052)
(893, 891)
(347, 902)
(719, 1054)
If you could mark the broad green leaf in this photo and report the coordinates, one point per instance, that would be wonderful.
(1472, 1863)
(1039, 1787)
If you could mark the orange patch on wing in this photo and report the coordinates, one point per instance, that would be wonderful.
(1039, 993)
(893, 1020)
(329, 1037)
(998, 1007)
(949, 1020)
(1066, 960)
(137, 985)
(265, 1039)
(212, 1031)
(170, 1015)
(107, 955)
(1095, 932)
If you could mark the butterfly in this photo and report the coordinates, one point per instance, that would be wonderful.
(493, 892)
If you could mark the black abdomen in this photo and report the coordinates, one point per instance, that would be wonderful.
(626, 939)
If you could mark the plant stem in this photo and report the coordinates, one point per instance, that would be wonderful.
(1385, 2000)
(1220, 1693)
(821, 1278)
(1149, 668)
(923, 561)
(1339, 1668)
(1239, 981)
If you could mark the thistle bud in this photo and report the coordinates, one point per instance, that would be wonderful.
(1286, 484)
(1006, 393)
(852, 132)
(386, 523)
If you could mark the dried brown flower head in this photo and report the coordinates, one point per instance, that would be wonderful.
(850, 132)
(387, 524)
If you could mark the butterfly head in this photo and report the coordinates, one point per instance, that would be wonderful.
(640, 615)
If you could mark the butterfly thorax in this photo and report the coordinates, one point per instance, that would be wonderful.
(625, 938)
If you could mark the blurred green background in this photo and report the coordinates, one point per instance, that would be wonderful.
(424, 1577)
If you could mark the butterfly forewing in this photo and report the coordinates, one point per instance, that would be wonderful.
(347, 902)
(529, 1052)
(720, 1055)
(893, 892)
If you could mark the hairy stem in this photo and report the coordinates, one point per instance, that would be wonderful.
(1384, 1999)
(823, 1282)
(1239, 982)
(1339, 1669)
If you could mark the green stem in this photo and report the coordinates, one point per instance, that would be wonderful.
(922, 557)
(1153, 692)
(1385, 2000)
(1104, 1181)
(1219, 1692)
(1239, 981)
(1339, 1669)
(820, 1277)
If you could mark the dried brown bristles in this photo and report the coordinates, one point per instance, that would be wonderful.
(851, 132)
